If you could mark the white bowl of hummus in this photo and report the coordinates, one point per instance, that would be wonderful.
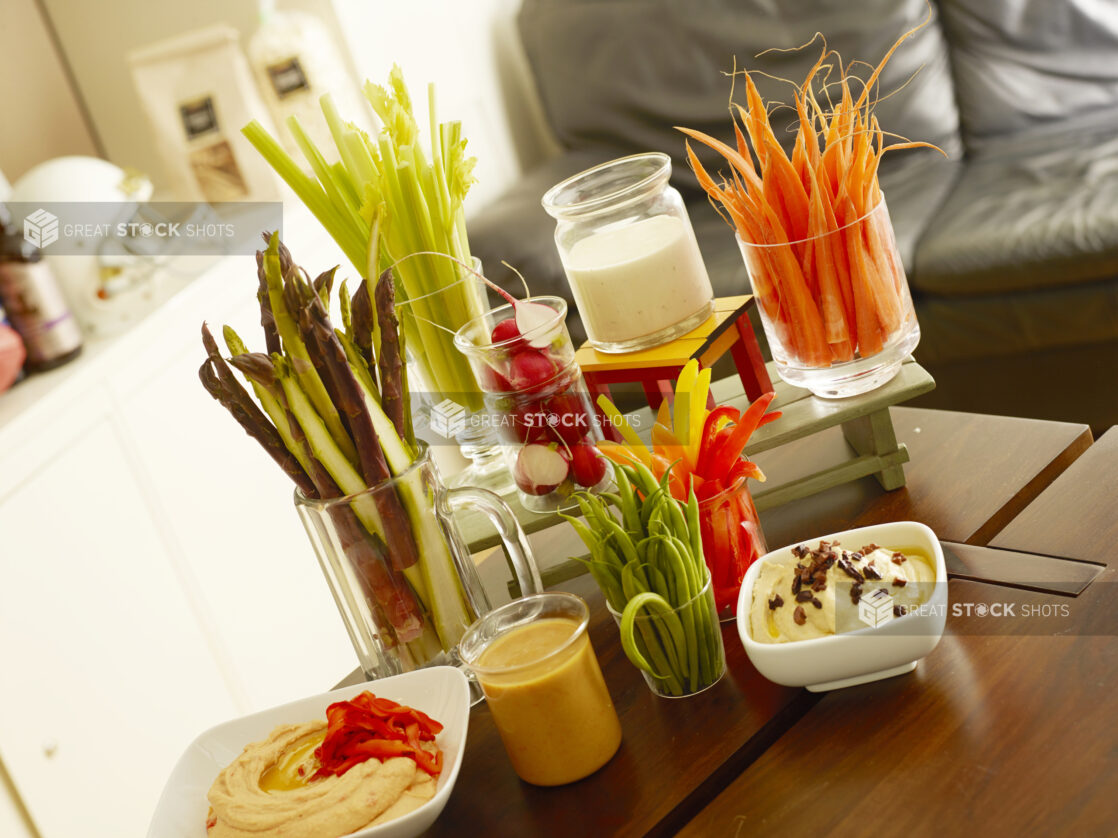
(846, 608)
(184, 809)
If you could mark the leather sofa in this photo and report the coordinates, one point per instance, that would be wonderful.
(1010, 242)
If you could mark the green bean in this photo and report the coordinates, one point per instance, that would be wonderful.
(584, 532)
(630, 514)
(694, 529)
(650, 568)
(657, 606)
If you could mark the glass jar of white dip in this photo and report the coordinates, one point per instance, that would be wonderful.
(630, 253)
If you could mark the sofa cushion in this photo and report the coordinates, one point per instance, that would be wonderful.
(1020, 62)
(620, 74)
(955, 329)
(1035, 209)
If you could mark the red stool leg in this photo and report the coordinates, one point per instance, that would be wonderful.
(656, 392)
(597, 387)
(747, 358)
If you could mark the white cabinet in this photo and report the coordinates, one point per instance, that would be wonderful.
(154, 577)
(106, 671)
(228, 510)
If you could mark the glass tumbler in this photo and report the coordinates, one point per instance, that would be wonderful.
(630, 253)
(677, 648)
(542, 683)
(732, 541)
(836, 307)
(399, 570)
(538, 405)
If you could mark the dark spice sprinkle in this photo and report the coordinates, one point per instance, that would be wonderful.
(796, 583)
(899, 611)
(799, 551)
(855, 593)
(898, 558)
(775, 602)
(870, 548)
(852, 571)
(871, 572)
(856, 556)
(799, 616)
(899, 583)
(820, 583)
(804, 596)
(816, 602)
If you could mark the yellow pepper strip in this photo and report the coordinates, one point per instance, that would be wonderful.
(618, 452)
(664, 414)
(628, 434)
(687, 378)
(693, 434)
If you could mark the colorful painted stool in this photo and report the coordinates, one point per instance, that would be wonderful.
(727, 330)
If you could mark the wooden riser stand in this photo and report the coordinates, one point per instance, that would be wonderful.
(865, 419)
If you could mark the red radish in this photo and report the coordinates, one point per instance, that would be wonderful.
(529, 317)
(528, 424)
(540, 469)
(505, 330)
(588, 466)
(567, 417)
(493, 382)
(531, 370)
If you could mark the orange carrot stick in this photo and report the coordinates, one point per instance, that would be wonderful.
(835, 324)
(783, 188)
(743, 166)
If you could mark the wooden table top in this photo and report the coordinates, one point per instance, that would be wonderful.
(1006, 728)
(995, 729)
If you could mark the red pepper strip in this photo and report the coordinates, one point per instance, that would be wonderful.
(369, 727)
(707, 490)
(725, 456)
(711, 426)
(743, 469)
(720, 438)
(769, 417)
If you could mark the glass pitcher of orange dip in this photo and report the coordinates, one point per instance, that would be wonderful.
(544, 687)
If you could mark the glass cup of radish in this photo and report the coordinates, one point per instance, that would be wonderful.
(523, 358)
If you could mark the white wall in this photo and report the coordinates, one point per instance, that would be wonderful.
(97, 35)
(468, 49)
(471, 51)
(41, 118)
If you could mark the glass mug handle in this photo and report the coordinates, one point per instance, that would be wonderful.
(508, 529)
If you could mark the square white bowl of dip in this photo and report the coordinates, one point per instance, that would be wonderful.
(868, 654)
(442, 692)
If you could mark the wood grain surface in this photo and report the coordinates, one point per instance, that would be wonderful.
(1005, 729)
(1077, 516)
(674, 752)
(968, 476)
(1006, 726)
(1002, 730)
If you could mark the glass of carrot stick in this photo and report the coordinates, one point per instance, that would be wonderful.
(815, 233)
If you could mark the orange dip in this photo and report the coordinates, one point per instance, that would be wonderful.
(549, 701)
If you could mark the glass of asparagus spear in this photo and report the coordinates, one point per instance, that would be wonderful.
(330, 409)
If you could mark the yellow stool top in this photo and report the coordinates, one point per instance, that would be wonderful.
(707, 342)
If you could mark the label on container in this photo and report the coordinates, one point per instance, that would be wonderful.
(38, 311)
(198, 117)
(288, 77)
